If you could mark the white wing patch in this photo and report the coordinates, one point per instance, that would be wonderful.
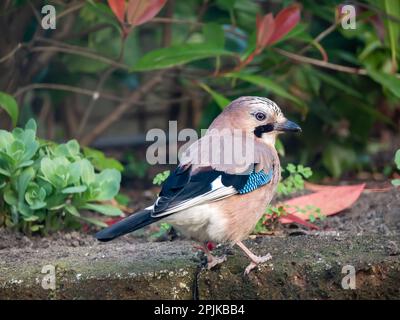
(217, 183)
(218, 191)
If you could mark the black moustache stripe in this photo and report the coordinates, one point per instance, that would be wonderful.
(258, 131)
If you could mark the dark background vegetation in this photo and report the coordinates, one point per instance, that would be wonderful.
(87, 79)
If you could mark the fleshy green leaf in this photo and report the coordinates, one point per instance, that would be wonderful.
(94, 221)
(56, 171)
(69, 149)
(109, 181)
(77, 189)
(397, 159)
(104, 209)
(87, 171)
(31, 125)
(72, 210)
(23, 181)
(100, 161)
(9, 104)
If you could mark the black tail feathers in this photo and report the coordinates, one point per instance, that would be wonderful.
(134, 222)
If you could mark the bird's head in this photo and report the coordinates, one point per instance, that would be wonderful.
(256, 115)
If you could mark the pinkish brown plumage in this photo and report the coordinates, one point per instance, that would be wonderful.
(221, 189)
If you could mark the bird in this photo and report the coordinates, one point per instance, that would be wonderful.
(220, 201)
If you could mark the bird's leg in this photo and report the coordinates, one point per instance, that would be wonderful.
(212, 260)
(255, 260)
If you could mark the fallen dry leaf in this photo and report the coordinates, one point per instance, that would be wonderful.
(329, 199)
(293, 218)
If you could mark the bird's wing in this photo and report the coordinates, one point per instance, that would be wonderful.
(206, 174)
(235, 156)
(182, 190)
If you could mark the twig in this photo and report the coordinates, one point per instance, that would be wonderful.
(87, 92)
(167, 28)
(320, 37)
(71, 9)
(35, 12)
(175, 21)
(320, 63)
(80, 52)
(11, 53)
(95, 97)
(122, 108)
(106, 74)
(65, 87)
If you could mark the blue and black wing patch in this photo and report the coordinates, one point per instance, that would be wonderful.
(182, 190)
(256, 180)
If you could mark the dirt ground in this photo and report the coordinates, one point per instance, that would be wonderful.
(373, 213)
(306, 264)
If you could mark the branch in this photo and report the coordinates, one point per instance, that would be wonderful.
(71, 9)
(65, 87)
(175, 21)
(103, 78)
(11, 53)
(320, 63)
(122, 108)
(80, 52)
(87, 92)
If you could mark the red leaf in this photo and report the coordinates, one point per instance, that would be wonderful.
(118, 7)
(285, 21)
(316, 187)
(330, 200)
(265, 29)
(294, 218)
(141, 11)
(112, 221)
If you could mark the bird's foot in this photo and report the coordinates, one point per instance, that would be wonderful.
(213, 261)
(255, 261)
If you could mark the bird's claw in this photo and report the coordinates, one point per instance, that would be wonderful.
(256, 261)
(213, 261)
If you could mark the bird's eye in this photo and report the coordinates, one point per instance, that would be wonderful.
(260, 116)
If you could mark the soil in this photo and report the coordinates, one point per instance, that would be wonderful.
(373, 213)
(366, 235)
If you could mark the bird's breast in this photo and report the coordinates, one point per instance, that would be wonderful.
(205, 222)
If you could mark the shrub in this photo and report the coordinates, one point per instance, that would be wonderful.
(44, 186)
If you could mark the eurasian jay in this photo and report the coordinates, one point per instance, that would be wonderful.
(220, 201)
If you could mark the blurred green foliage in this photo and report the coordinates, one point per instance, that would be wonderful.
(396, 182)
(160, 177)
(294, 181)
(340, 112)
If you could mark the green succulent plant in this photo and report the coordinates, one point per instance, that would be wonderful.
(45, 186)
(396, 182)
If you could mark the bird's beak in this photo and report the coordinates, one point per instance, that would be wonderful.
(287, 126)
